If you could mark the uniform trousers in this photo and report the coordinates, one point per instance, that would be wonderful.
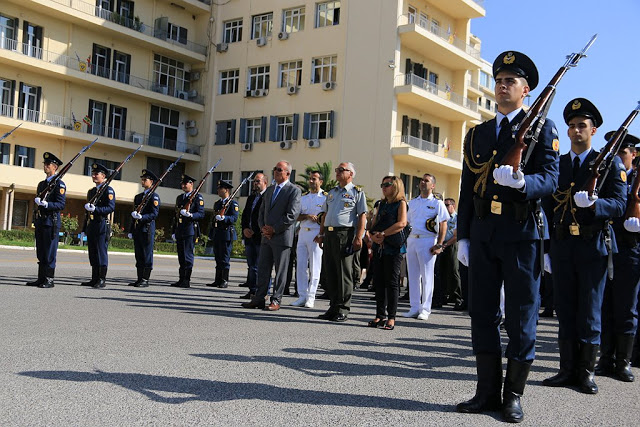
(517, 265)
(308, 251)
(97, 245)
(143, 245)
(420, 268)
(222, 252)
(338, 267)
(185, 246)
(47, 238)
(619, 307)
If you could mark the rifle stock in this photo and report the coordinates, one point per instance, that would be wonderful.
(155, 185)
(224, 207)
(633, 200)
(194, 193)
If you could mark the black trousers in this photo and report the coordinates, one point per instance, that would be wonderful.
(386, 280)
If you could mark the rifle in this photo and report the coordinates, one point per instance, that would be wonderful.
(633, 206)
(601, 165)
(187, 206)
(155, 185)
(537, 114)
(9, 133)
(224, 207)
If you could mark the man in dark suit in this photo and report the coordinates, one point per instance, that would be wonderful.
(277, 218)
(251, 232)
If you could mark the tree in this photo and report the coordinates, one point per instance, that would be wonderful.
(326, 169)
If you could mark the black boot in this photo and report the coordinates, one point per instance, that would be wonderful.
(144, 280)
(624, 347)
(224, 283)
(180, 280)
(586, 367)
(514, 382)
(40, 278)
(566, 375)
(137, 282)
(186, 282)
(487, 398)
(49, 274)
(605, 364)
(94, 277)
(102, 275)
(635, 355)
(217, 280)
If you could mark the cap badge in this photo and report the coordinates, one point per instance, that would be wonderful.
(576, 105)
(509, 58)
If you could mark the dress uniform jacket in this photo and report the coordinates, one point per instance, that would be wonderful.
(47, 223)
(144, 229)
(223, 233)
(98, 229)
(187, 229)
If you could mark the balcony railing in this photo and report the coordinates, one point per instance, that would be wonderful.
(107, 73)
(105, 131)
(134, 24)
(6, 110)
(442, 92)
(445, 35)
(427, 146)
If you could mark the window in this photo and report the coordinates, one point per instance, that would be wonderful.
(125, 9)
(290, 74)
(487, 104)
(412, 13)
(327, 14)
(97, 114)
(29, 102)
(20, 213)
(229, 81)
(177, 33)
(232, 31)
(89, 161)
(8, 32)
(225, 132)
(253, 130)
(217, 176)
(173, 178)
(293, 20)
(7, 89)
(318, 125)
(433, 78)
(24, 156)
(100, 61)
(4, 153)
(245, 190)
(435, 26)
(424, 20)
(121, 67)
(117, 122)
(258, 78)
(283, 128)
(163, 127)
(32, 40)
(485, 80)
(104, 8)
(262, 25)
(169, 76)
(324, 69)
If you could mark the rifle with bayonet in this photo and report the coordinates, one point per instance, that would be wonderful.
(225, 206)
(633, 205)
(194, 193)
(155, 185)
(10, 132)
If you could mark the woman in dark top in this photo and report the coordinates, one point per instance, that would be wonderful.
(390, 218)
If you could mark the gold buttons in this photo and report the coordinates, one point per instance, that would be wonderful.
(495, 197)
(495, 152)
(495, 182)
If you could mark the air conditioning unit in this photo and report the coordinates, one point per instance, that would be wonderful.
(313, 143)
(137, 138)
(257, 93)
(283, 35)
(222, 47)
(49, 123)
(285, 145)
(193, 93)
(292, 90)
(328, 85)
(246, 146)
(192, 131)
(183, 94)
(190, 124)
(160, 89)
(194, 76)
(261, 41)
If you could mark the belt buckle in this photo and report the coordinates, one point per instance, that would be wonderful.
(496, 207)
(91, 217)
(307, 229)
(330, 228)
(574, 229)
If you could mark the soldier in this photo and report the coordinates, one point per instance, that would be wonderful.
(308, 251)
(186, 230)
(341, 231)
(223, 233)
(47, 222)
(143, 229)
(619, 308)
(499, 241)
(581, 244)
(98, 229)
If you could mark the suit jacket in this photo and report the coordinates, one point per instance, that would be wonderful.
(250, 217)
(282, 215)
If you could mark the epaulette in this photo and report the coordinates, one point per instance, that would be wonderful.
(324, 193)
(305, 193)
(358, 188)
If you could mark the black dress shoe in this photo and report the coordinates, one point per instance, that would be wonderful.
(143, 283)
(36, 282)
(99, 284)
(252, 304)
(248, 295)
(547, 312)
(323, 296)
(459, 307)
(48, 283)
(339, 318)
(326, 316)
(224, 284)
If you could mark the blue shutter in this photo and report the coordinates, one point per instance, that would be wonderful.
(221, 133)
(306, 127)
(243, 130)
(331, 118)
(296, 119)
(233, 132)
(273, 128)
(263, 129)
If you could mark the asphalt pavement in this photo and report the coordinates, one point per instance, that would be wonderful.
(123, 356)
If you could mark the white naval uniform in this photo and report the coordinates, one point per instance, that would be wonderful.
(420, 261)
(309, 251)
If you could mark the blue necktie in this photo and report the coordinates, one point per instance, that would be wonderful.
(275, 194)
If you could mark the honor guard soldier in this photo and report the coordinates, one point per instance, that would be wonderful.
(98, 230)
(223, 233)
(186, 230)
(143, 229)
(582, 244)
(47, 222)
(619, 307)
(498, 238)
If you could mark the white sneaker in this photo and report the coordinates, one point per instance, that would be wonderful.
(413, 314)
(299, 302)
(423, 316)
(309, 303)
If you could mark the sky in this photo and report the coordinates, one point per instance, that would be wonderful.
(547, 31)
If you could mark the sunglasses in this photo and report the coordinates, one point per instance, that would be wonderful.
(448, 204)
(340, 170)
(278, 170)
(386, 184)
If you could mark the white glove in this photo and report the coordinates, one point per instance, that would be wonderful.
(130, 236)
(219, 217)
(136, 215)
(504, 176)
(547, 263)
(184, 212)
(463, 252)
(173, 237)
(583, 200)
(37, 201)
(632, 225)
(89, 207)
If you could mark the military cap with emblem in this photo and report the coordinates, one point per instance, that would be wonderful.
(51, 158)
(97, 167)
(582, 107)
(224, 184)
(146, 173)
(517, 63)
(187, 179)
(629, 140)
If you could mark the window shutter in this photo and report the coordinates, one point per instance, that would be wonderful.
(221, 133)
(306, 127)
(183, 35)
(313, 71)
(273, 128)
(263, 129)
(296, 119)
(408, 68)
(405, 126)
(21, 112)
(243, 130)
(331, 118)
(37, 106)
(90, 114)
(436, 135)
(415, 126)
(12, 96)
(233, 132)
(31, 156)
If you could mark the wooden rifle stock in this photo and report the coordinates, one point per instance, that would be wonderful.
(195, 192)
(106, 183)
(224, 207)
(633, 200)
(155, 185)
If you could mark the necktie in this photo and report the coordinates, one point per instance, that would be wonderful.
(505, 130)
(275, 194)
(576, 167)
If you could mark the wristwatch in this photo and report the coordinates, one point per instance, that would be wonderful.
(439, 246)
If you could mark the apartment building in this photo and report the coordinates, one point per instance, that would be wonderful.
(385, 84)
(126, 72)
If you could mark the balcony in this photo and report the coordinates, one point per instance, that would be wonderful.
(196, 7)
(110, 76)
(412, 150)
(460, 9)
(435, 100)
(438, 44)
(474, 87)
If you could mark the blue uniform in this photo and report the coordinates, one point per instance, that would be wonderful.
(98, 229)
(187, 229)
(223, 233)
(144, 230)
(47, 225)
(500, 223)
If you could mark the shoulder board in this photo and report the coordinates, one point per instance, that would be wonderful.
(61, 184)
(358, 188)
(305, 193)
(324, 193)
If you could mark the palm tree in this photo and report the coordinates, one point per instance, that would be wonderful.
(326, 169)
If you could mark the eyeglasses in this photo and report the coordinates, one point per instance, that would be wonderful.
(386, 184)
(425, 180)
(257, 180)
(340, 170)
(448, 204)
(278, 170)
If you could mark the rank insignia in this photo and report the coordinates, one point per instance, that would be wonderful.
(155, 203)
(556, 145)
(46, 155)
(201, 202)
(576, 105)
(236, 209)
(623, 176)
(110, 196)
(62, 191)
(346, 204)
(509, 58)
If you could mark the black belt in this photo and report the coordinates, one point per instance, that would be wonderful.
(587, 232)
(332, 229)
(518, 210)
